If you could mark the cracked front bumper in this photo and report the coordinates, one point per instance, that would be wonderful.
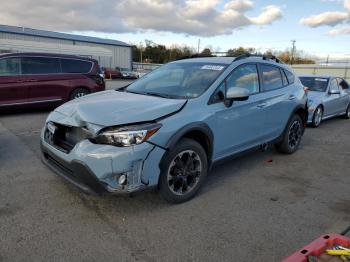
(96, 168)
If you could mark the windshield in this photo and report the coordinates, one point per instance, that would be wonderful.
(315, 83)
(178, 80)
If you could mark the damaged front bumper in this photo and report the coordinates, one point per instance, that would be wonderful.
(97, 168)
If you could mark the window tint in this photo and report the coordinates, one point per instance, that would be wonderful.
(290, 77)
(75, 66)
(245, 76)
(334, 85)
(284, 78)
(271, 77)
(40, 65)
(9, 66)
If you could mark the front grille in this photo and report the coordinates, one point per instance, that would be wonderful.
(66, 137)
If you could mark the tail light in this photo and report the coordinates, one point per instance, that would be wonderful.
(306, 89)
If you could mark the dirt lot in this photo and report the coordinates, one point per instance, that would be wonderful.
(259, 207)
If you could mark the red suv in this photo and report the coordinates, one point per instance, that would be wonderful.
(28, 79)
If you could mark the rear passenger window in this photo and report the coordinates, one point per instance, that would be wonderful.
(290, 76)
(75, 66)
(271, 77)
(245, 76)
(40, 65)
(9, 66)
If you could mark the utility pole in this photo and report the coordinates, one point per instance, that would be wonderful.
(327, 60)
(199, 44)
(293, 52)
(141, 52)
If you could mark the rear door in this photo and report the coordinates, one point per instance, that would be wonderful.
(13, 90)
(44, 79)
(279, 100)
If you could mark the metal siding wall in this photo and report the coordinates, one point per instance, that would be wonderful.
(121, 55)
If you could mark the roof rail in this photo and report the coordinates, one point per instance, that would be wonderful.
(195, 56)
(264, 57)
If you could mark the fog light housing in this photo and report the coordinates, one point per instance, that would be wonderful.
(122, 180)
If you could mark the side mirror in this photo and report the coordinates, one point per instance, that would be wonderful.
(334, 92)
(236, 94)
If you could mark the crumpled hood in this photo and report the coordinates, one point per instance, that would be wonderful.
(111, 108)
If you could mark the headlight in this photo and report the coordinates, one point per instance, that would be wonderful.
(127, 136)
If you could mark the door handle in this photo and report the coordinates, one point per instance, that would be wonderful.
(262, 105)
(292, 97)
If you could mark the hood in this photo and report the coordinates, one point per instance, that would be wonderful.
(314, 95)
(110, 108)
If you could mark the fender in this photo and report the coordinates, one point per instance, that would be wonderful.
(305, 109)
(195, 126)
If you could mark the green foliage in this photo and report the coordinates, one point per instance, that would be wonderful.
(160, 54)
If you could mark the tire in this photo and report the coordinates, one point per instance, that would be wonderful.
(347, 113)
(317, 117)
(79, 92)
(180, 180)
(291, 136)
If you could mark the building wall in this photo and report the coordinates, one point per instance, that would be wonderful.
(107, 55)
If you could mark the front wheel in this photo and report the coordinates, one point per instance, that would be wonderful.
(79, 92)
(292, 136)
(183, 171)
(317, 117)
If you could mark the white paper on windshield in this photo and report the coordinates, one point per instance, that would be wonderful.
(212, 67)
(321, 79)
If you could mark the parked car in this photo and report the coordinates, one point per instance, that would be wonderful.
(126, 73)
(32, 79)
(141, 72)
(327, 97)
(169, 127)
(110, 73)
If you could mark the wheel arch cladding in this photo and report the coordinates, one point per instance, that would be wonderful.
(198, 131)
(302, 112)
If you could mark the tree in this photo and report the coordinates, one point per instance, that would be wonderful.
(206, 52)
(240, 51)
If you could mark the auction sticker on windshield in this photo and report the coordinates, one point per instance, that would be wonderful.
(213, 67)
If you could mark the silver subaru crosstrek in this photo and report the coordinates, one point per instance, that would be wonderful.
(169, 127)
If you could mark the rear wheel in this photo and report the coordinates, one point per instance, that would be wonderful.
(79, 92)
(317, 117)
(347, 113)
(183, 171)
(291, 136)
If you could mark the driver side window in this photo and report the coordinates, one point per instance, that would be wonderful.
(244, 76)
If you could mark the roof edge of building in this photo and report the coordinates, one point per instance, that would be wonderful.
(58, 35)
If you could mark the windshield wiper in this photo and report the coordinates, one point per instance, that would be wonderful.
(159, 95)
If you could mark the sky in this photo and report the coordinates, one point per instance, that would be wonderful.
(320, 27)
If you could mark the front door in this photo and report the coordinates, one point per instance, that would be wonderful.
(13, 89)
(239, 126)
(332, 101)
